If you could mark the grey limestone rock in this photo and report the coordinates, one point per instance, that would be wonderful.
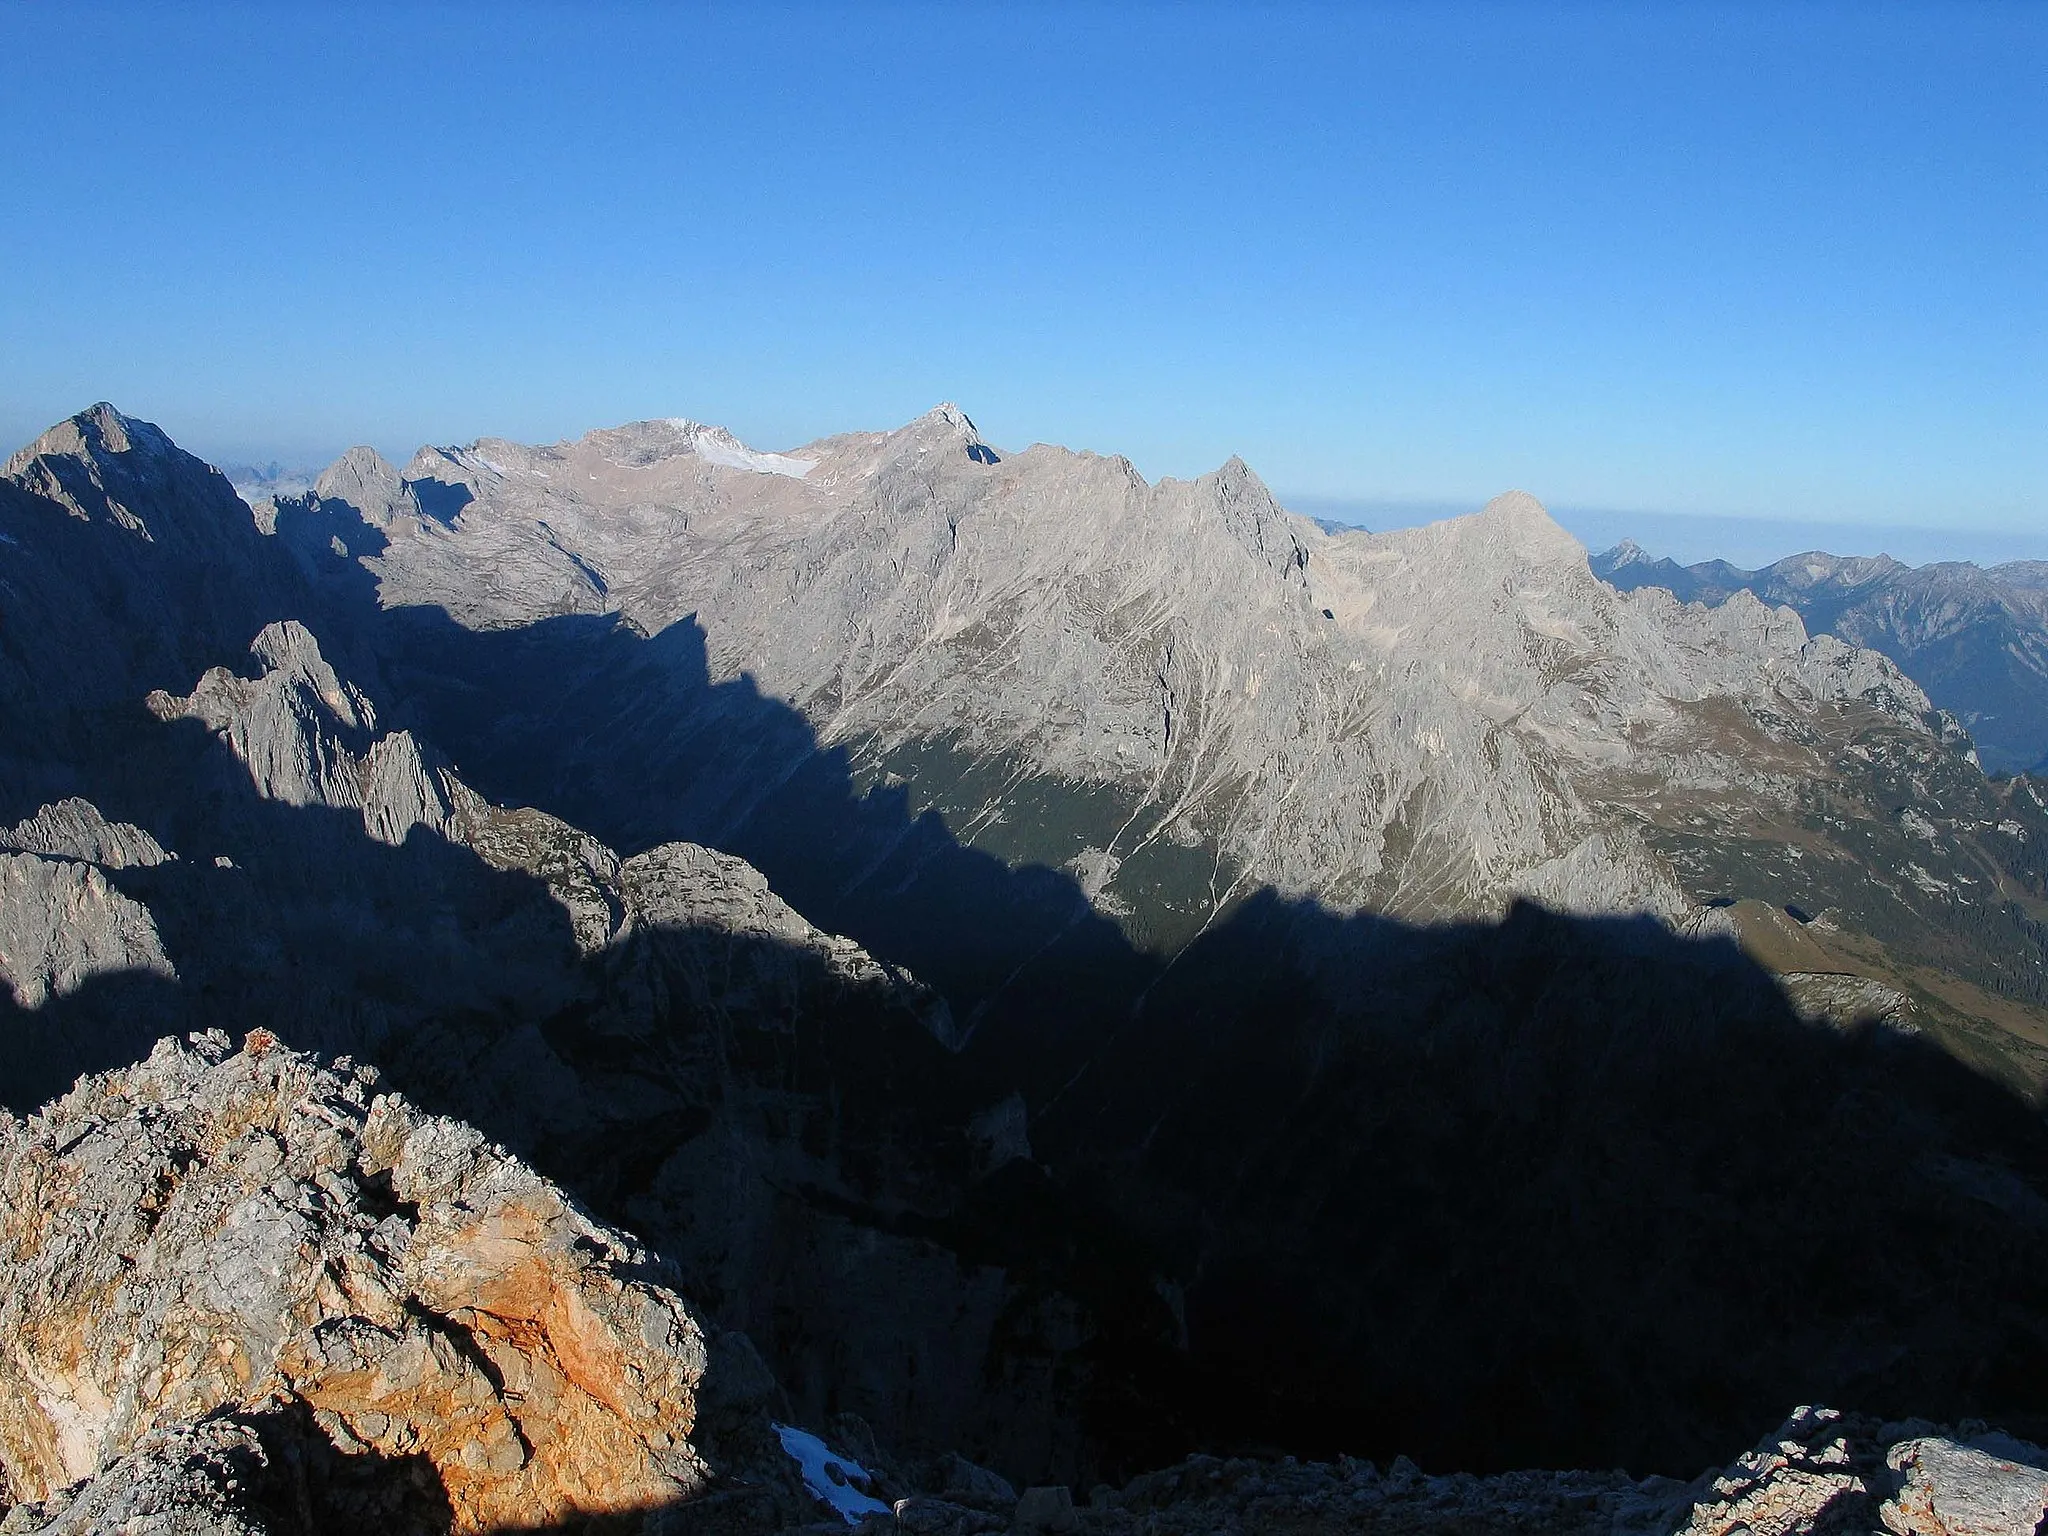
(1990, 1485)
(62, 922)
(217, 1229)
(1425, 722)
(1823, 1472)
(308, 738)
(72, 828)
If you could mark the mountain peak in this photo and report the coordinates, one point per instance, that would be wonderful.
(946, 413)
(95, 433)
(361, 467)
(1521, 522)
(1517, 507)
(945, 425)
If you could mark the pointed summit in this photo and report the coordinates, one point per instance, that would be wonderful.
(364, 479)
(1627, 552)
(948, 414)
(1520, 522)
(97, 433)
(101, 465)
(945, 423)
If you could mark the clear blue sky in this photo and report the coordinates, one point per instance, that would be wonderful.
(1783, 262)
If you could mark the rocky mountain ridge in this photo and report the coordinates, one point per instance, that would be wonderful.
(1064, 1200)
(1051, 611)
(1173, 695)
(1975, 639)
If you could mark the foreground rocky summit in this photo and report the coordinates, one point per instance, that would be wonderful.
(251, 1230)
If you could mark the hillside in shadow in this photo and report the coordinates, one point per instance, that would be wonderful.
(1555, 1190)
(1551, 1191)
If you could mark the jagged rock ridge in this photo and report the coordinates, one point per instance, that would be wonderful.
(1975, 639)
(1414, 721)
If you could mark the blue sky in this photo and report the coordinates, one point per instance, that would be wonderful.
(1762, 267)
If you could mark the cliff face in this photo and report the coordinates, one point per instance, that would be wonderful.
(218, 1229)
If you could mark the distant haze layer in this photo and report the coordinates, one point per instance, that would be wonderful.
(1690, 537)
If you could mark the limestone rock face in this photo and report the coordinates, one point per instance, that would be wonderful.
(1822, 1472)
(62, 922)
(215, 1228)
(105, 514)
(1426, 722)
(72, 828)
(308, 738)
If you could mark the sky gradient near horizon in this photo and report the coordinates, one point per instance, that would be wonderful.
(1767, 265)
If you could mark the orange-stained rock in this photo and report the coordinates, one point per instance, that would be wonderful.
(215, 1228)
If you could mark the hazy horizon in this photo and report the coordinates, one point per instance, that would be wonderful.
(1688, 538)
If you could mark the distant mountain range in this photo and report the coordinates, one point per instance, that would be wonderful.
(1975, 639)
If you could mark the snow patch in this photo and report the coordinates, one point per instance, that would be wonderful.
(715, 445)
(831, 1477)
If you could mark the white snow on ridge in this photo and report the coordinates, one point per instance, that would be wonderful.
(829, 1475)
(715, 445)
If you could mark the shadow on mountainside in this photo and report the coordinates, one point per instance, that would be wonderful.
(628, 737)
(1552, 1191)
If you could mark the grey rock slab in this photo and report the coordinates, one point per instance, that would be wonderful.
(1989, 1487)
(72, 828)
(62, 923)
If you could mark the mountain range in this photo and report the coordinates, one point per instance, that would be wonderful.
(1976, 639)
(1073, 970)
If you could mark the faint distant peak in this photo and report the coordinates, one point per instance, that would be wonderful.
(1627, 552)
